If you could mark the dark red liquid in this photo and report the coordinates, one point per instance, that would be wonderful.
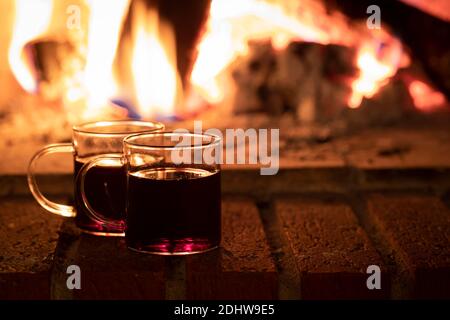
(173, 210)
(105, 188)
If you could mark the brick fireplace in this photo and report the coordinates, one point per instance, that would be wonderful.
(364, 173)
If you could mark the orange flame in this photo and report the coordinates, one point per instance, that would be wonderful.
(425, 98)
(373, 74)
(105, 21)
(232, 24)
(31, 21)
(154, 80)
(153, 63)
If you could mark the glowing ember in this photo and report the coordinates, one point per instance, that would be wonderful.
(155, 78)
(27, 11)
(373, 74)
(426, 98)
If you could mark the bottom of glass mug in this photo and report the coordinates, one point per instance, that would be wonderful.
(99, 230)
(103, 233)
(174, 247)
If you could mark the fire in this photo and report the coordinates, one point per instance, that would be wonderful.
(88, 92)
(425, 98)
(39, 13)
(153, 63)
(230, 26)
(150, 80)
(155, 82)
(373, 74)
(98, 84)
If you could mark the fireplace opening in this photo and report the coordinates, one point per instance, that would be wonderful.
(351, 100)
(312, 62)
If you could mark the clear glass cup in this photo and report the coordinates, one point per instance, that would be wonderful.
(173, 194)
(106, 183)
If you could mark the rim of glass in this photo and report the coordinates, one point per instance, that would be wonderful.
(145, 126)
(215, 140)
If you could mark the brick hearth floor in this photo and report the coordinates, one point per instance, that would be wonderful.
(377, 198)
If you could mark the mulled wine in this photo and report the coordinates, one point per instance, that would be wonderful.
(106, 192)
(173, 210)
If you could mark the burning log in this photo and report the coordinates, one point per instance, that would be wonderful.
(188, 19)
(298, 77)
(313, 82)
(310, 80)
(252, 75)
(56, 64)
(418, 29)
(392, 103)
(333, 67)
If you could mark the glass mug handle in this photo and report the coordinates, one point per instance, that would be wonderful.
(53, 207)
(80, 190)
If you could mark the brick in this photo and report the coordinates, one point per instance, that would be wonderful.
(28, 238)
(403, 179)
(250, 182)
(242, 268)
(330, 250)
(418, 230)
(417, 157)
(397, 147)
(108, 269)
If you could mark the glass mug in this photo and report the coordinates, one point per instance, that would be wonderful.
(173, 204)
(107, 183)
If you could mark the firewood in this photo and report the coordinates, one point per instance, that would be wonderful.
(56, 63)
(309, 80)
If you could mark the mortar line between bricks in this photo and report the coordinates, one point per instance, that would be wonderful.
(64, 256)
(354, 173)
(391, 258)
(288, 279)
(359, 207)
(175, 285)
